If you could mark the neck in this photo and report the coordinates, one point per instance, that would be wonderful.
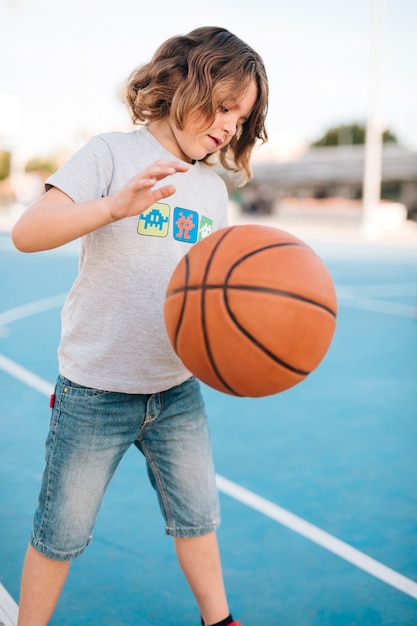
(162, 131)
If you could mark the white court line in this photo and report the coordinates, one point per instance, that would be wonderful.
(271, 510)
(8, 608)
(369, 298)
(25, 376)
(318, 536)
(381, 290)
(378, 306)
(38, 306)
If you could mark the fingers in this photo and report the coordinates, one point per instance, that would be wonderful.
(156, 172)
(162, 169)
(138, 194)
(163, 192)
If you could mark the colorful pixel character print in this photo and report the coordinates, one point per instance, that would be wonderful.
(154, 222)
(185, 225)
(206, 227)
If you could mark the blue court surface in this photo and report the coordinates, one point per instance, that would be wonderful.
(318, 484)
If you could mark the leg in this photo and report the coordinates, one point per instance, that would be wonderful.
(200, 561)
(176, 443)
(83, 449)
(42, 582)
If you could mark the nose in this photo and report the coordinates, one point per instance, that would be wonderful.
(230, 124)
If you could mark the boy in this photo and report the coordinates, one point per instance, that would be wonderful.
(120, 383)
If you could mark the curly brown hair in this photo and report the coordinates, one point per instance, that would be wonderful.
(195, 73)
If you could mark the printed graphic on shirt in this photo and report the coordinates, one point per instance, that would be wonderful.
(206, 226)
(185, 225)
(154, 222)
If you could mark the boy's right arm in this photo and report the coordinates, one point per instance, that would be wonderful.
(56, 220)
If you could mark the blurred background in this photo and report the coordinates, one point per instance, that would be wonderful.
(340, 171)
(340, 73)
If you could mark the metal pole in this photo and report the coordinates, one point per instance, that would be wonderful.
(374, 130)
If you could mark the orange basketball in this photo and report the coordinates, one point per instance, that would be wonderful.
(251, 310)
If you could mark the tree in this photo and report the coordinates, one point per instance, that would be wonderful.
(5, 159)
(349, 134)
(45, 166)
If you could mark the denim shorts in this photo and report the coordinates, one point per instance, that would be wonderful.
(90, 431)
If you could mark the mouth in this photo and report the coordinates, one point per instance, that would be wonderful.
(216, 142)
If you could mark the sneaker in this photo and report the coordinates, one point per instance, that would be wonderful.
(235, 623)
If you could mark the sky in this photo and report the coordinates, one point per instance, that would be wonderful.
(63, 65)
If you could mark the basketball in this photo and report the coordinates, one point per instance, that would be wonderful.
(251, 310)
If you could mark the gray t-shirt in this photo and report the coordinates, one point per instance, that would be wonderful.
(113, 331)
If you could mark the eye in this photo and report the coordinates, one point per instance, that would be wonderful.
(223, 109)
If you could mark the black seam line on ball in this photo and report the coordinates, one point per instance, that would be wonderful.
(278, 292)
(264, 349)
(203, 317)
(270, 246)
(184, 302)
(274, 292)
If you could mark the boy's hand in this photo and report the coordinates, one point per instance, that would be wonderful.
(138, 194)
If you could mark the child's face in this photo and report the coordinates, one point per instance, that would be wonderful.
(196, 141)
